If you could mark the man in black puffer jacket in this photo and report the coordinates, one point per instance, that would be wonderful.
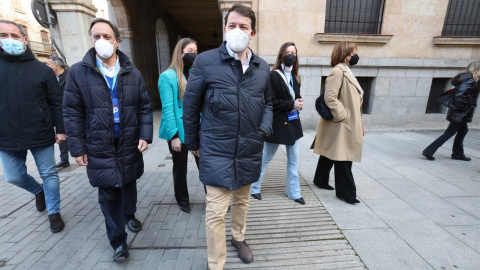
(109, 124)
(30, 114)
(230, 87)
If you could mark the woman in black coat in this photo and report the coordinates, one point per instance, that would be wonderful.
(466, 87)
(287, 128)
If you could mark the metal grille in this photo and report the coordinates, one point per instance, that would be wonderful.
(367, 84)
(357, 17)
(462, 18)
(439, 85)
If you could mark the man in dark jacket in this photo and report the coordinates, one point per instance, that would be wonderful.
(59, 68)
(229, 86)
(30, 113)
(109, 124)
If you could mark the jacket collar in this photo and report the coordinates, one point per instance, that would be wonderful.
(348, 75)
(90, 59)
(62, 78)
(226, 56)
(27, 56)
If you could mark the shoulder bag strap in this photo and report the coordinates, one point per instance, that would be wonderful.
(283, 77)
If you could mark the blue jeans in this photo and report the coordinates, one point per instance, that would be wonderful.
(293, 185)
(15, 172)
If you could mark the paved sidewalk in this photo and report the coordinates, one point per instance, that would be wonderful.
(415, 214)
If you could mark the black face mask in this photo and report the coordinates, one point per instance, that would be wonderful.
(188, 59)
(354, 60)
(289, 60)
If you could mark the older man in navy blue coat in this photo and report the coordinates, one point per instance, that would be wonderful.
(109, 124)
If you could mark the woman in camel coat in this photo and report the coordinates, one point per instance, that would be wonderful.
(339, 141)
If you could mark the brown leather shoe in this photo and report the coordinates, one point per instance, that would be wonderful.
(244, 252)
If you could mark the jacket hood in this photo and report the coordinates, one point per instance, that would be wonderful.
(27, 56)
(90, 59)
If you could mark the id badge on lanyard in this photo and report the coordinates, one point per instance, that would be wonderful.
(293, 114)
(113, 92)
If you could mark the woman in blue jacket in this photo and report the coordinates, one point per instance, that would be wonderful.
(172, 84)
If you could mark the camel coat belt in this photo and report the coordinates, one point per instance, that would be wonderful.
(341, 139)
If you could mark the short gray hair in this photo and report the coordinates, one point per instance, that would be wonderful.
(57, 61)
(16, 24)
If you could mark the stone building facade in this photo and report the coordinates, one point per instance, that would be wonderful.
(409, 49)
(21, 12)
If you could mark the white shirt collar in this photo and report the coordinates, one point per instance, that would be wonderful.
(108, 71)
(287, 70)
(246, 63)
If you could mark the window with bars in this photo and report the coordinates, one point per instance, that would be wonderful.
(439, 85)
(357, 17)
(462, 18)
(367, 84)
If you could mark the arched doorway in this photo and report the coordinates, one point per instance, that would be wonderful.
(163, 49)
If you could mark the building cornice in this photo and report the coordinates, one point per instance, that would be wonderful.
(441, 41)
(364, 39)
(73, 6)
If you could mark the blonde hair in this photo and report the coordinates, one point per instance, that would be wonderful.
(474, 69)
(177, 63)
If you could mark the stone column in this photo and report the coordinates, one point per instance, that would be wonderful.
(74, 18)
(118, 16)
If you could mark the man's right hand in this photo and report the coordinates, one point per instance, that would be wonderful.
(196, 152)
(82, 160)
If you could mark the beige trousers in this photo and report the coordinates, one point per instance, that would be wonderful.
(217, 207)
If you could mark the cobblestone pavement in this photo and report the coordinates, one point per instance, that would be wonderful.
(415, 214)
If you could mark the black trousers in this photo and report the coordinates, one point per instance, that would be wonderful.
(63, 151)
(118, 206)
(344, 182)
(179, 170)
(461, 129)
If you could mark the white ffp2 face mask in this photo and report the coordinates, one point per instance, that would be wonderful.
(237, 40)
(104, 48)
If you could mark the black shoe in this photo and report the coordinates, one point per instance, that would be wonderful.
(428, 157)
(63, 164)
(300, 200)
(40, 201)
(327, 187)
(56, 222)
(134, 225)
(350, 201)
(185, 209)
(121, 253)
(257, 196)
(464, 158)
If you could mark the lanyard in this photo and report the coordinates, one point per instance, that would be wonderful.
(291, 82)
(114, 76)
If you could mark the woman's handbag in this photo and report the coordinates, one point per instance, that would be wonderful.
(322, 108)
(446, 98)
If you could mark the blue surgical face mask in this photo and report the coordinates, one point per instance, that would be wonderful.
(13, 47)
